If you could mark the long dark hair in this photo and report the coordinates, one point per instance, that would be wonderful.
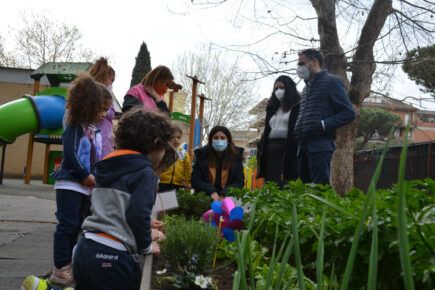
(291, 96)
(228, 155)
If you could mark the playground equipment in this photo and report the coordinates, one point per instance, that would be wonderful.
(39, 115)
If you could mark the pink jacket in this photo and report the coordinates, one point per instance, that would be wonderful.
(138, 91)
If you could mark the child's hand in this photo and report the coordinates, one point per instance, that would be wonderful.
(158, 225)
(157, 235)
(89, 180)
(155, 249)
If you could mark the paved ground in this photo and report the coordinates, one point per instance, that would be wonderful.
(27, 225)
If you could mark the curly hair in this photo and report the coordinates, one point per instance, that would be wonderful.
(100, 70)
(143, 131)
(86, 99)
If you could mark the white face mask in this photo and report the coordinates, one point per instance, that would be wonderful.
(279, 94)
(303, 72)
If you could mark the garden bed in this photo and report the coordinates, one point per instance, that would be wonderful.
(222, 275)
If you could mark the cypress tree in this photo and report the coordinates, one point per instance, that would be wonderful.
(142, 66)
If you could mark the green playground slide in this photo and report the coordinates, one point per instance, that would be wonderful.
(33, 114)
(17, 118)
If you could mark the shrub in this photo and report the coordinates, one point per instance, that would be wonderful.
(190, 245)
(192, 205)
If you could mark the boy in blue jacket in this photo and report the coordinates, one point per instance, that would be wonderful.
(120, 225)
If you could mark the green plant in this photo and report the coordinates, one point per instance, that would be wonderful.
(374, 228)
(192, 205)
(189, 245)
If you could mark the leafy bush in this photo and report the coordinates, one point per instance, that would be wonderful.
(189, 246)
(274, 210)
(192, 205)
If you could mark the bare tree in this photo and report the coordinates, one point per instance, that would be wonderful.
(359, 39)
(6, 58)
(42, 39)
(231, 95)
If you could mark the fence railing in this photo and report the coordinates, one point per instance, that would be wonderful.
(420, 164)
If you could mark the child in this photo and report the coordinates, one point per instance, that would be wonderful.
(178, 175)
(120, 225)
(88, 102)
(103, 73)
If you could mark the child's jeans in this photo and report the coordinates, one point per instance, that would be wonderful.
(72, 208)
(97, 266)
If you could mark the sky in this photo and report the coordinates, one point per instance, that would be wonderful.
(116, 29)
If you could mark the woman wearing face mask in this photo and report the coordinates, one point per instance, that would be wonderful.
(149, 93)
(276, 155)
(218, 165)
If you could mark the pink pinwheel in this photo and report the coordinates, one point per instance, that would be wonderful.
(226, 216)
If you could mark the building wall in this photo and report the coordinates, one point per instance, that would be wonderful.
(16, 153)
(424, 131)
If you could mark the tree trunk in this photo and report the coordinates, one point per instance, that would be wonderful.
(362, 68)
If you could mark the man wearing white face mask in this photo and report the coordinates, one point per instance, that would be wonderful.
(276, 155)
(325, 107)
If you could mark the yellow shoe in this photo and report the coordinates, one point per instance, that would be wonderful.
(34, 283)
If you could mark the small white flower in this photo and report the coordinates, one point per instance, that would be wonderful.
(161, 272)
(202, 281)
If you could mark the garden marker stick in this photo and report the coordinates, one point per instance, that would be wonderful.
(215, 251)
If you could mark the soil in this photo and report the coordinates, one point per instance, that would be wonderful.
(222, 275)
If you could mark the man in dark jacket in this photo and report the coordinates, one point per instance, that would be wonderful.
(324, 108)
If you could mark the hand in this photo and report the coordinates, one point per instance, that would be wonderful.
(89, 180)
(214, 196)
(157, 225)
(155, 249)
(157, 236)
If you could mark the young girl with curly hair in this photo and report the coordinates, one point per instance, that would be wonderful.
(87, 103)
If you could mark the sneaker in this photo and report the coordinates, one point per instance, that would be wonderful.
(34, 283)
(63, 276)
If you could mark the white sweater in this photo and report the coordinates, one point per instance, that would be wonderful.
(279, 124)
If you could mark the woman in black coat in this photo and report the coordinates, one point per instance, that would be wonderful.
(276, 155)
(218, 165)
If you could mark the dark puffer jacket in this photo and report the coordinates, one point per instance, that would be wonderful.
(290, 169)
(323, 98)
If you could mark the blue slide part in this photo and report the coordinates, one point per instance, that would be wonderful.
(50, 110)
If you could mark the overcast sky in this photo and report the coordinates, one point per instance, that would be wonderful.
(116, 29)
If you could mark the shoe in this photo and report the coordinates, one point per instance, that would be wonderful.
(63, 276)
(34, 283)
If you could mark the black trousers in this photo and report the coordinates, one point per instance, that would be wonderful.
(99, 267)
(274, 170)
(314, 167)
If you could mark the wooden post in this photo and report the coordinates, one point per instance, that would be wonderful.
(28, 175)
(2, 164)
(202, 98)
(45, 173)
(192, 112)
(171, 101)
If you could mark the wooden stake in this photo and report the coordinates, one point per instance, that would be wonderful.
(28, 175)
(171, 101)
(193, 111)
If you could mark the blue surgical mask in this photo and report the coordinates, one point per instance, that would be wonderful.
(219, 145)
